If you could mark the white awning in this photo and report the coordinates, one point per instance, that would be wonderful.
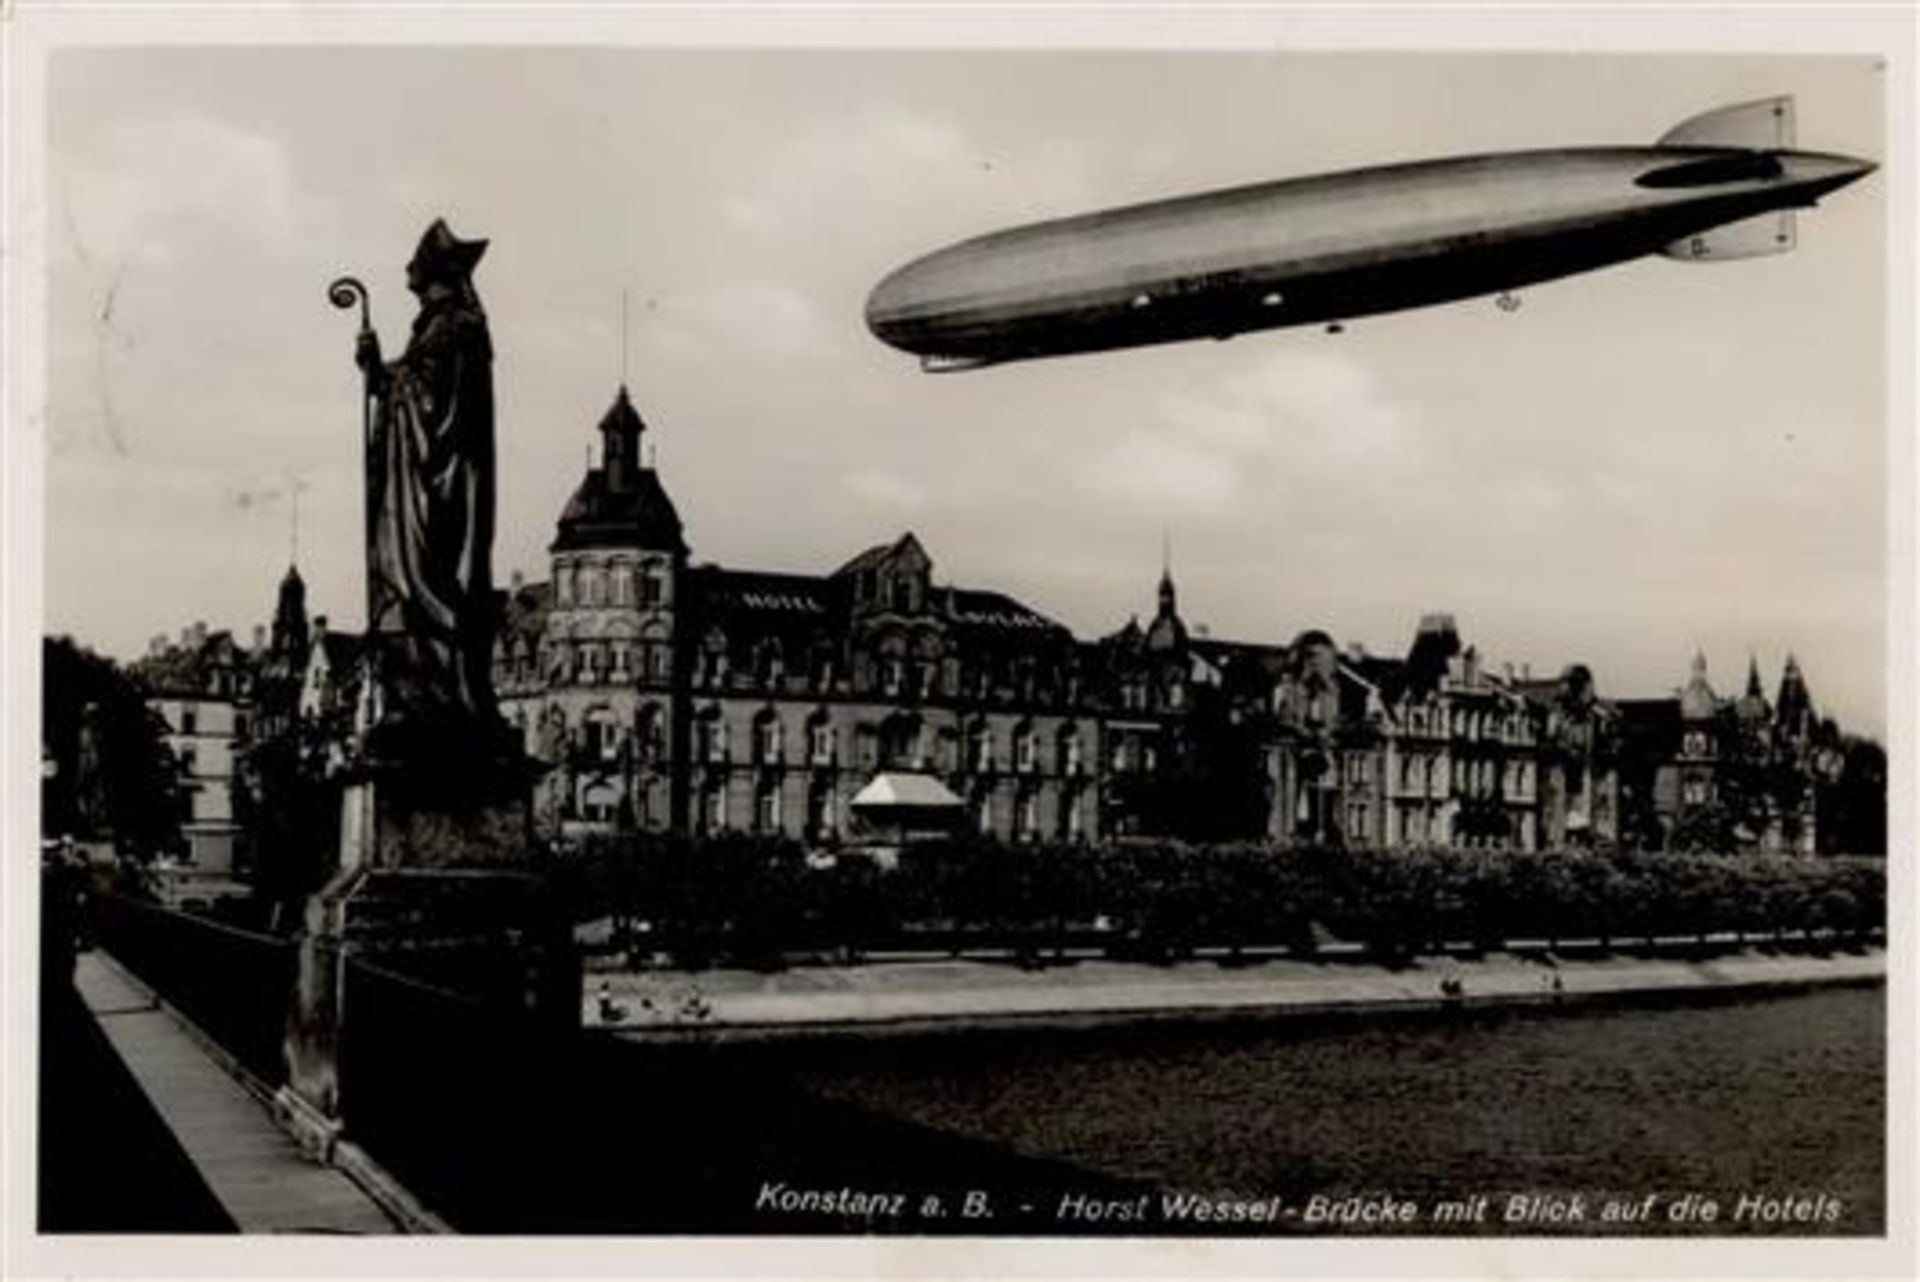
(899, 788)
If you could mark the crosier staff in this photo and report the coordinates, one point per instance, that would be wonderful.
(344, 293)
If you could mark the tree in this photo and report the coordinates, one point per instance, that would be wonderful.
(110, 773)
(1852, 809)
(292, 815)
(1211, 786)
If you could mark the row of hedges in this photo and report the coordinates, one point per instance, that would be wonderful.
(753, 900)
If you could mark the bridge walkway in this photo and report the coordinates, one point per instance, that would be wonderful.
(254, 1168)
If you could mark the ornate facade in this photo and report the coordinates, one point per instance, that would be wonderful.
(668, 694)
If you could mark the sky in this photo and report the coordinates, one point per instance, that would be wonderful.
(1637, 464)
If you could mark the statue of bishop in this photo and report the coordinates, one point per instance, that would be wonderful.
(430, 500)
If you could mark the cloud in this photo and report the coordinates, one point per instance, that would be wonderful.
(154, 186)
(837, 154)
(1293, 420)
(883, 488)
(756, 320)
(1167, 472)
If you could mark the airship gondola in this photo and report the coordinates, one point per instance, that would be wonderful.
(1331, 247)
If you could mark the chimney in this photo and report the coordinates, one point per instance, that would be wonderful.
(1526, 671)
(259, 638)
(158, 644)
(1506, 670)
(319, 626)
(199, 632)
(516, 581)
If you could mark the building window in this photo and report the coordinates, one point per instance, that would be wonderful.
(820, 744)
(766, 807)
(650, 593)
(1030, 815)
(1070, 822)
(189, 721)
(713, 807)
(649, 732)
(1027, 751)
(901, 743)
(1122, 757)
(893, 675)
(767, 738)
(983, 813)
(189, 761)
(820, 809)
(597, 804)
(1070, 753)
(980, 747)
(620, 662)
(603, 740)
(710, 737)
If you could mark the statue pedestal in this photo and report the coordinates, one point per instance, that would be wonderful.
(436, 886)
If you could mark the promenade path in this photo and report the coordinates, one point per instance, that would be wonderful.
(255, 1170)
(935, 992)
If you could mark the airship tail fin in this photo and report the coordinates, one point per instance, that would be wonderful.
(1756, 237)
(1762, 125)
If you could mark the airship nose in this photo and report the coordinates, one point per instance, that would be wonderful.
(888, 303)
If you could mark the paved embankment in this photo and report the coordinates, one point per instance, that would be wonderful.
(931, 994)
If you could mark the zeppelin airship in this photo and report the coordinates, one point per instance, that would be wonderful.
(1327, 248)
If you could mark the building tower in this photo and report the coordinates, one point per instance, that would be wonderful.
(1793, 710)
(614, 717)
(289, 639)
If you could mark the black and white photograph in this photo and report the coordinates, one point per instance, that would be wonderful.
(1298, 650)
